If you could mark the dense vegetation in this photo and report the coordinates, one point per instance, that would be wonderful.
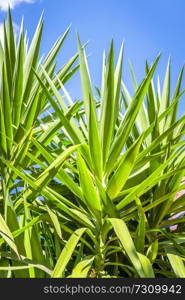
(89, 188)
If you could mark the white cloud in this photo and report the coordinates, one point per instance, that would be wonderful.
(12, 3)
(16, 29)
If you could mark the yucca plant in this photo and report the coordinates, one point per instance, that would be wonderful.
(92, 183)
(21, 103)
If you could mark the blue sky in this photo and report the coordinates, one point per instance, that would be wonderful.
(147, 27)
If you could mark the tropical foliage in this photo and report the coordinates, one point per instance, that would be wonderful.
(88, 187)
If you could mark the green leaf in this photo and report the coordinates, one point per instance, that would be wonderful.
(55, 222)
(147, 267)
(108, 205)
(11, 40)
(165, 100)
(81, 270)
(177, 265)
(107, 119)
(124, 236)
(66, 253)
(124, 169)
(7, 109)
(7, 235)
(18, 96)
(90, 194)
(117, 83)
(173, 114)
(141, 228)
(31, 61)
(94, 142)
(85, 79)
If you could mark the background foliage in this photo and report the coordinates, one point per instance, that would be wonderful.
(89, 188)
